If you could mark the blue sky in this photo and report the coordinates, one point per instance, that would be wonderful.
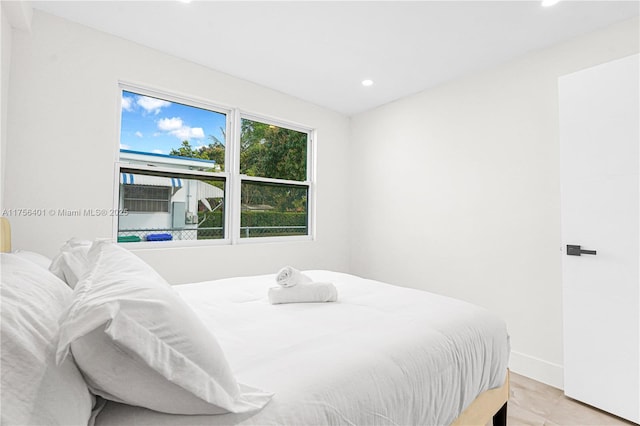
(155, 125)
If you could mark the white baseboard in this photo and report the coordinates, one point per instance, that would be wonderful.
(537, 369)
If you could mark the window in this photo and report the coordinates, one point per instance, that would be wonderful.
(171, 176)
(180, 159)
(170, 206)
(271, 210)
(274, 152)
(275, 185)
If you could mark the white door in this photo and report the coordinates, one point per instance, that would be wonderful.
(599, 138)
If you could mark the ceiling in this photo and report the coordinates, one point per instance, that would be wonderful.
(321, 51)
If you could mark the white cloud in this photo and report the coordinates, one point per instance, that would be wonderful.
(138, 134)
(152, 104)
(197, 132)
(124, 146)
(157, 151)
(186, 132)
(169, 124)
(126, 103)
(176, 127)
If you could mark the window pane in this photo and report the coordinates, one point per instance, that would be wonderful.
(270, 210)
(165, 131)
(272, 152)
(146, 198)
(161, 206)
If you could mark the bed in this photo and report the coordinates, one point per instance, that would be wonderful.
(381, 355)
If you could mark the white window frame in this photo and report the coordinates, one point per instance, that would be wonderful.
(237, 179)
(233, 178)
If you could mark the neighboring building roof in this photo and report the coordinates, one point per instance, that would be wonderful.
(164, 159)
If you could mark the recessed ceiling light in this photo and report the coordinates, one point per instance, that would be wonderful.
(547, 3)
(367, 82)
(184, 1)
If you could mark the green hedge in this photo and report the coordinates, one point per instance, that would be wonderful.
(214, 220)
(257, 218)
(271, 218)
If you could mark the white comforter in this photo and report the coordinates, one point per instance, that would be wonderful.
(381, 355)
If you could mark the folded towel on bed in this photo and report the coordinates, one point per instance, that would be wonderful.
(289, 277)
(303, 293)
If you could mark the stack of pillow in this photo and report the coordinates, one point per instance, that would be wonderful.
(122, 326)
(35, 390)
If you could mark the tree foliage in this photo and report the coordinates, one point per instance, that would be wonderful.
(214, 151)
(273, 152)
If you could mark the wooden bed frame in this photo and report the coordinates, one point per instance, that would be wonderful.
(5, 235)
(491, 404)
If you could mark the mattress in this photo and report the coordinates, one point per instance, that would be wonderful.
(381, 355)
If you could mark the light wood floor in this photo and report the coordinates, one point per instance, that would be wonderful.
(534, 403)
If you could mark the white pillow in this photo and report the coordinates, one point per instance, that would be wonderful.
(71, 263)
(32, 256)
(35, 390)
(137, 342)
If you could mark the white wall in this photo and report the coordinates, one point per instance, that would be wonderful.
(63, 141)
(456, 190)
(5, 36)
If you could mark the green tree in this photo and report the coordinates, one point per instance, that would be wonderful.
(185, 150)
(273, 152)
(214, 151)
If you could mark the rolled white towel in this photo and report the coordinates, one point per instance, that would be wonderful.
(289, 277)
(304, 293)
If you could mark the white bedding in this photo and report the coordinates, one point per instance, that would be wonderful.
(381, 355)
